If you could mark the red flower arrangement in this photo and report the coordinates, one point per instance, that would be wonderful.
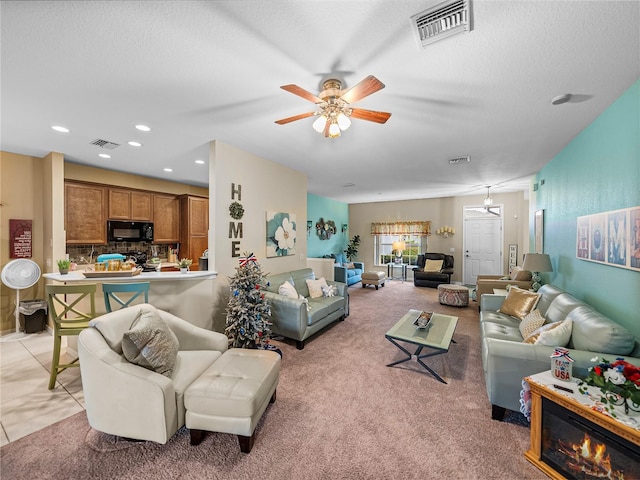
(619, 382)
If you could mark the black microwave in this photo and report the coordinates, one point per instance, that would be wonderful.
(118, 231)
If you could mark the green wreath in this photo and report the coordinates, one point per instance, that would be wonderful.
(236, 211)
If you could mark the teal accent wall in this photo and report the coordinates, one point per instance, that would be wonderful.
(597, 172)
(320, 207)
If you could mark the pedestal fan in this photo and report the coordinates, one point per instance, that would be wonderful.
(19, 274)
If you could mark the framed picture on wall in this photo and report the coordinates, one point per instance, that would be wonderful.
(634, 226)
(539, 231)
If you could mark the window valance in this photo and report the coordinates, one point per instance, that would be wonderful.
(401, 228)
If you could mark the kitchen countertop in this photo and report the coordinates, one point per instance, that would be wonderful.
(77, 276)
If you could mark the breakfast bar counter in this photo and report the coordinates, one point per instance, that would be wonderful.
(187, 295)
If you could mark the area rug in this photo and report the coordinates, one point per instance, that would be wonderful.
(341, 413)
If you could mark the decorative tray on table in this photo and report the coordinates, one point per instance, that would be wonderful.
(117, 273)
(423, 320)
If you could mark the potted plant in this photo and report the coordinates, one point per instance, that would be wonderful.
(184, 264)
(64, 266)
(352, 248)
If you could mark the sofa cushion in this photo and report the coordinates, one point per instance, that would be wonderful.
(561, 306)
(150, 343)
(315, 287)
(433, 265)
(519, 302)
(288, 290)
(594, 332)
(499, 331)
(555, 334)
(531, 322)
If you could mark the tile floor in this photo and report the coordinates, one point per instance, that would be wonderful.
(26, 404)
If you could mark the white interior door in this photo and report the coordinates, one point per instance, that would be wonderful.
(482, 247)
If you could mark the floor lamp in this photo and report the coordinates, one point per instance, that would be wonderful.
(536, 263)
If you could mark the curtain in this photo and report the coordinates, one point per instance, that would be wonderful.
(401, 228)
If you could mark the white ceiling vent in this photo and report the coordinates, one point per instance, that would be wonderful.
(442, 21)
(105, 144)
(454, 161)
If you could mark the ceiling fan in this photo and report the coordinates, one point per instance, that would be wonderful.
(335, 105)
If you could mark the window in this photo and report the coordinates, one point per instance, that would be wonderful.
(383, 248)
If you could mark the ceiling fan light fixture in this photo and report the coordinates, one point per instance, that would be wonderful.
(334, 130)
(488, 201)
(343, 121)
(320, 123)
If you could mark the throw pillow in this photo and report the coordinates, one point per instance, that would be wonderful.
(433, 265)
(150, 343)
(531, 322)
(315, 287)
(330, 291)
(521, 275)
(555, 334)
(349, 265)
(288, 290)
(505, 278)
(519, 302)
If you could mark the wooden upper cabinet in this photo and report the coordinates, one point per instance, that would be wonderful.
(130, 205)
(194, 227)
(85, 213)
(166, 218)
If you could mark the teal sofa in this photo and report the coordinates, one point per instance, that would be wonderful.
(291, 318)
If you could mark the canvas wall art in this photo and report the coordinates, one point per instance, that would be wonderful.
(611, 238)
(281, 234)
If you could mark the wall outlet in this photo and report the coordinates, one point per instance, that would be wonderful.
(452, 250)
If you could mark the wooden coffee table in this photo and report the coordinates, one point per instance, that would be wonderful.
(437, 336)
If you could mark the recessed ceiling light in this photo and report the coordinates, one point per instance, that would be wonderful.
(60, 129)
(135, 144)
(143, 128)
(168, 169)
(104, 155)
(200, 162)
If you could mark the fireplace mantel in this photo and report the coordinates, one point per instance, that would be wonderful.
(542, 387)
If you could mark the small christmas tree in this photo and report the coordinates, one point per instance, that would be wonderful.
(247, 311)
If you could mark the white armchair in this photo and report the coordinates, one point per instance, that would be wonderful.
(131, 401)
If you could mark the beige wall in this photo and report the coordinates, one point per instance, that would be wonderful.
(440, 211)
(21, 187)
(266, 186)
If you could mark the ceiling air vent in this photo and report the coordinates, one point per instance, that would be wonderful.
(105, 144)
(442, 21)
(457, 160)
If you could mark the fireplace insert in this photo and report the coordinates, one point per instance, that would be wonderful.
(580, 449)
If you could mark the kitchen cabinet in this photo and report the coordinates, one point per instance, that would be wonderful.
(127, 204)
(85, 213)
(166, 218)
(194, 227)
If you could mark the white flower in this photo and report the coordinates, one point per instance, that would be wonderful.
(285, 235)
(614, 376)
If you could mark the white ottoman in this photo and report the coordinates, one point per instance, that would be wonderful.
(373, 278)
(232, 394)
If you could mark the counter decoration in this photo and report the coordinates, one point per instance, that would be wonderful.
(64, 266)
(184, 264)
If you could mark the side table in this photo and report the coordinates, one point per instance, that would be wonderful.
(391, 270)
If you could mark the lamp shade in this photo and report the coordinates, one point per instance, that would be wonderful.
(537, 262)
(398, 246)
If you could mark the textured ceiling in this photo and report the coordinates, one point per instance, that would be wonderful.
(198, 71)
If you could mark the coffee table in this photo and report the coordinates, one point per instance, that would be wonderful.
(437, 336)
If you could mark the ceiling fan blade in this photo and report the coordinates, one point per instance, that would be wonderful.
(294, 118)
(363, 89)
(301, 92)
(370, 115)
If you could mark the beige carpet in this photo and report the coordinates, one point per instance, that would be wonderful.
(341, 413)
